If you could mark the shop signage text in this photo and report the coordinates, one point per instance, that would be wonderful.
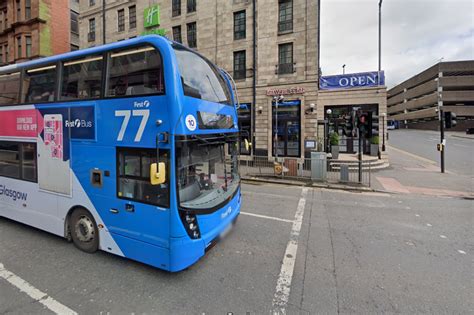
(289, 91)
(352, 80)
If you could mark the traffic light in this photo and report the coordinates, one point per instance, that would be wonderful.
(450, 120)
(348, 125)
(363, 123)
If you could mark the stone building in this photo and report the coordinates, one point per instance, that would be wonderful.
(285, 61)
(414, 102)
(37, 28)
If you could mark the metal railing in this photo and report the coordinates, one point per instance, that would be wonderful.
(334, 171)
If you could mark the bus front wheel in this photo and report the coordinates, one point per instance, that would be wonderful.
(84, 232)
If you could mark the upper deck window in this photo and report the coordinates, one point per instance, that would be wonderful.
(137, 71)
(200, 78)
(82, 78)
(9, 88)
(39, 84)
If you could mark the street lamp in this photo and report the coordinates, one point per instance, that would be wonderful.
(380, 40)
(276, 99)
(383, 131)
(344, 69)
(326, 128)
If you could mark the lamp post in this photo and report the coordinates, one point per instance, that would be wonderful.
(441, 120)
(380, 40)
(344, 69)
(383, 131)
(326, 127)
(276, 99)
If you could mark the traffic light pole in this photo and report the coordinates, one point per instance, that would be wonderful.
(441, 122)
(441, 129)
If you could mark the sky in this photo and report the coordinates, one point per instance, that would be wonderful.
(416, 34)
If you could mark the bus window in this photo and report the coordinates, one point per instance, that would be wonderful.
(9, 88)
(136, 71)
(134, 177)
(28, 162)
(200, 79)
(39, 84)
(10, 159)
(81, 79)
(18, 160)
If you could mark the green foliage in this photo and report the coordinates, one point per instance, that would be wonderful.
(375, 140)
(334, 138)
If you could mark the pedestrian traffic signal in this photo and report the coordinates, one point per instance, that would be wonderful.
(348, 126)
(450, 120)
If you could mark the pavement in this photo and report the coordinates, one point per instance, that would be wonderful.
(347, 253)
(415, 168)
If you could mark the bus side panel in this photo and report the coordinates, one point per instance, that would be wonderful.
(21, 201)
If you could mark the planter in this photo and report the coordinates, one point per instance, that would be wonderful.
(335, 152)
(374, 149)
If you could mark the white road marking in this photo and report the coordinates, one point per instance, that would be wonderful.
(427, 224)
(443, 236)
(266, 217)
(461, 252)
(283, 287)
(417, 215)
(34, 293)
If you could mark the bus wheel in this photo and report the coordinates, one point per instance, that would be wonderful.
(84, 232)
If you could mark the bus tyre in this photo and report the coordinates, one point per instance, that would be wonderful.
(84, 232)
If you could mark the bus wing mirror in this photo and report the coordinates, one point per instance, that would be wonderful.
(247, 145)
(157, 173)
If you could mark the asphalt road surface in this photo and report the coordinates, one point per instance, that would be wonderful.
(346, 253)
(459, 153)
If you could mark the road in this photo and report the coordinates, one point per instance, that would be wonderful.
(459, 154)
(355, 253)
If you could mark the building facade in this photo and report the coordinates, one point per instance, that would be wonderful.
(36, 28)
(284, 62)
(414, 102)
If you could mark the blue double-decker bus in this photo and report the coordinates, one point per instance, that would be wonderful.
(130, 148)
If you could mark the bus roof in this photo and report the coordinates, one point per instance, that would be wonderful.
(148, 39)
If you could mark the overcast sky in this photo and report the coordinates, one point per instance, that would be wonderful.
(415, 35)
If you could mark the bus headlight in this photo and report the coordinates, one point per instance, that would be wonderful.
(190, 224)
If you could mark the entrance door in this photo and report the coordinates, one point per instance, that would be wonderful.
(288, 129)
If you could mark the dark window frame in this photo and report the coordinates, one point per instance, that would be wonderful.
(240, 65)
(132, 17)
(177, 34)
(74, 22)
(28, 46)
(191, 6)
(240, 25)
(92, 29)
(191, 34)
(121, 20)
(175, 8)
(285, 16)
(285, 62)
(21, 160)
(142, 152)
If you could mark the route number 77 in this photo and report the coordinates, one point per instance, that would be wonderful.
(126, 114)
